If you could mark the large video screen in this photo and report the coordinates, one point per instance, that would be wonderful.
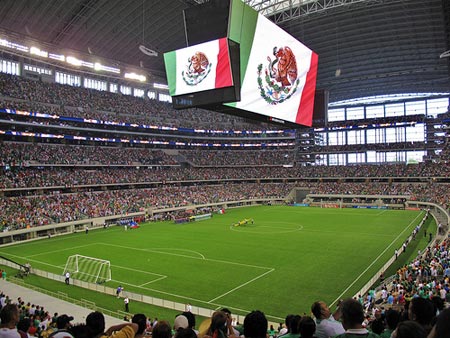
(278, 72)
(270, 76)
(199, 68)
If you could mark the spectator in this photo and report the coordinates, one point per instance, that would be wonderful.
(63, 325)
(255, 325)
(392, 318)
(162, 330)
(141, 320)
(441, 328)
(326, 323)
(409, 329)
(9, 317)
(352, 319)
(307, 327)
(422, 311)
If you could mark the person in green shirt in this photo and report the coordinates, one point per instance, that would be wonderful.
(392, 319)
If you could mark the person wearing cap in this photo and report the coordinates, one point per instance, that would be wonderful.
(63, 325)
(181, 322)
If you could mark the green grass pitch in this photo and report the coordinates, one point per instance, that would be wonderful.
(289, 258)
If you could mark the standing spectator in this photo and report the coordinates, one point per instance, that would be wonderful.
(67, 280)
(119, 290)
(9, 316)
(126, 301)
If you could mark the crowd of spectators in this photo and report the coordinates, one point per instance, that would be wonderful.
(22, 154)
(20, 212)
(419, 317)
(64, 100)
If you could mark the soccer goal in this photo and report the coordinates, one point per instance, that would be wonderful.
(88, 269)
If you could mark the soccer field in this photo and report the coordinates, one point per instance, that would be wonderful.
(289, 258)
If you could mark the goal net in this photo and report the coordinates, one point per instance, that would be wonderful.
(88, 269)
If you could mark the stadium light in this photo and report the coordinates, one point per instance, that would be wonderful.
(134, 76)
(160, 86)
(38, 52)
(58, 57)
(99, 67)
(73, 61)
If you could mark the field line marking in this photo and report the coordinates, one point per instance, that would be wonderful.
(242, 285)
(186, 256)
(33, 260)
(53, 251)
(156, 251)
(375, 260)
(153, 281)
(141, 271)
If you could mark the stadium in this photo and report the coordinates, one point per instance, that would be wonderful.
(189, 200)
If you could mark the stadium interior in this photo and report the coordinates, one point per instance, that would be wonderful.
(88, 133)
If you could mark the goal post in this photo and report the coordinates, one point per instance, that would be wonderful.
(88, 269)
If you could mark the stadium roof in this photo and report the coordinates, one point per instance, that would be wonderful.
(365, 47)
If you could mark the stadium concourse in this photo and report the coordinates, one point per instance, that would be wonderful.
(51, 304)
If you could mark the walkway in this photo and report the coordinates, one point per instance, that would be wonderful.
(51, 304)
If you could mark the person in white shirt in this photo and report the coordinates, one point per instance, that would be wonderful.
(327, 324)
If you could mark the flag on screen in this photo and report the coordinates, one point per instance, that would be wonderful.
(197, 68)
(279, 72)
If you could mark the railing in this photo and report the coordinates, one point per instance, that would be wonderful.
(375, 278)
(204, 312)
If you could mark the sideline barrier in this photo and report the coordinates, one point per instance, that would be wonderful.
(198, 311)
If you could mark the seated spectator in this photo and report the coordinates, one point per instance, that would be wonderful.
(180, 323)
(185, 333)
(255, 325)
(392, 318)
(352, 319)
(96, 323)
(141, 320)
(327, 324)
(441, 328)
(9, 317)
(63, 325)
(293, 327)
(162, 329)
(409, 329)
(307, 327)
(422, 311)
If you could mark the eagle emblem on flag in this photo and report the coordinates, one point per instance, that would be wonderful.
(278, 80)
(197, 69)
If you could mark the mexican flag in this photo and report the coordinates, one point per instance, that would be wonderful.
(278, 72)
(197, 68)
